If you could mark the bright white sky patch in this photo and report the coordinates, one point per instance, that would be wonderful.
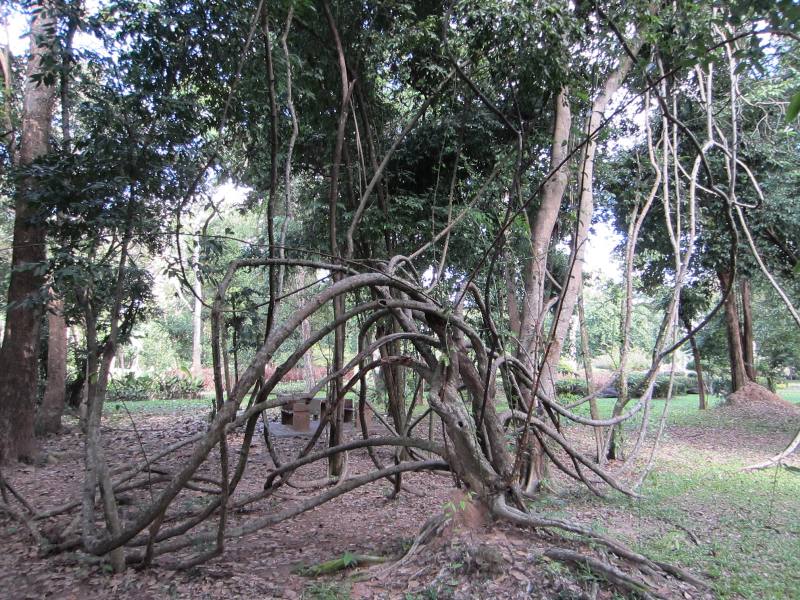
(599, 255)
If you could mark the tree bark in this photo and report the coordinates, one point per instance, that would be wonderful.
(512, 301)
(748, 342)
(572, 288)
(542, 230)
(53, 401)
(336, 461)
(49, 417)
(594, 410)
(735, 351)
(532, 310)
(197, 318)
(698, 368)
(301, 281)
(20, 350)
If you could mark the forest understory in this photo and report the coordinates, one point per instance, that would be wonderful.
(687, 515)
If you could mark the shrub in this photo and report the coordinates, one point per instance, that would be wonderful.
(572, 386)
(168, 386)
(179, 384)
(130, 388)
(680, 385)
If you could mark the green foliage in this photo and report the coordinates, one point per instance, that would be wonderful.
(572, 386)
(451, 508)
(167, 386)
(794, 108)
(680, 385)
(326, 591)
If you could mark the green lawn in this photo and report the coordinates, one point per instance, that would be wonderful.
(747, 524)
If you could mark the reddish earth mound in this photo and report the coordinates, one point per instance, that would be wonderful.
(758, 401)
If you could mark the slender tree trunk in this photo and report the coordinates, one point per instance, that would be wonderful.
(197, 318)
(394, 380)
(308, 358)
(20, 350)
(571, 290)
(301, 281)
(594, 411)
(735, 351)
(511, 300)
(698, 368)
(49, 417)
(336, 461)
(748, 342)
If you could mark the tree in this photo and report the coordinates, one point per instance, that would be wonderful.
(20, 350)
(478, 165)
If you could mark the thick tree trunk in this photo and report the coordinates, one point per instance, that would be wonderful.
(533, 306)
(735, 351)
(748, 342)
(541, 232)
(20, 350)
(572, 288)
(49, 417)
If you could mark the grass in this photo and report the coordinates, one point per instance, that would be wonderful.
(747, 524)
(160, 406)
(327, 591)
(683, 411)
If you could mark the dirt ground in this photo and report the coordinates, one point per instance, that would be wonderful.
(471, 558)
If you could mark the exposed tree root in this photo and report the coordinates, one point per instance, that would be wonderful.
(608, 571)
(502, 510)
(430, 529)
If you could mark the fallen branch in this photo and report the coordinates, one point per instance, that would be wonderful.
(776, 460)
(345, 561)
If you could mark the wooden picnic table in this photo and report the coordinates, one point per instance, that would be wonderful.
(300, 409)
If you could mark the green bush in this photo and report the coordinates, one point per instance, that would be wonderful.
(130, 388)
(168, 386)
(175, 385)
(571, 386)
(680, 385)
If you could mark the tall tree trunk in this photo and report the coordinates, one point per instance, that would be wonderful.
(748, 342)
(698, 368)
(735, 351)
(197, 318)
(572, 288)
(20, 350)
(49, 417)
(533, 304)
(542, 230)
(594, 411)
(336, 461)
